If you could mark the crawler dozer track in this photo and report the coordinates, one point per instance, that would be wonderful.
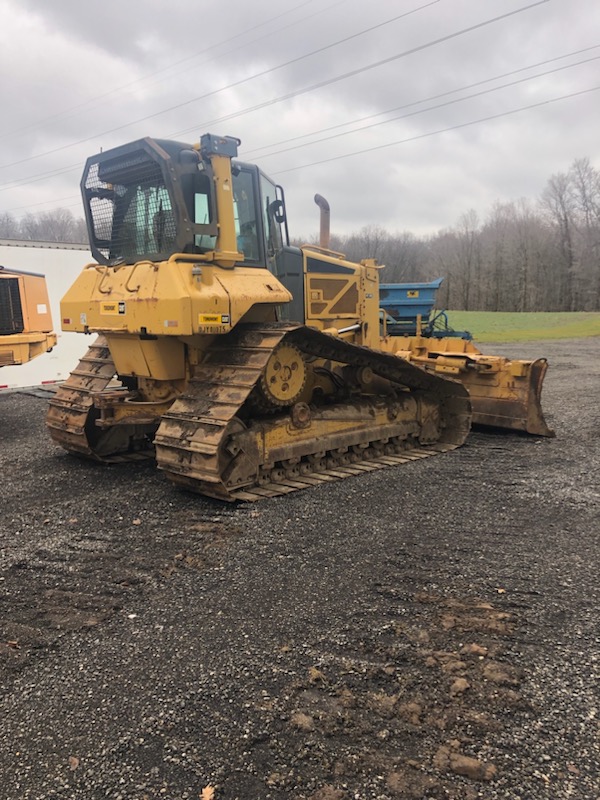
(71, 416)
(211, 442)
(215, 440)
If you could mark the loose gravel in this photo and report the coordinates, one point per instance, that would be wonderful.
(424, 631)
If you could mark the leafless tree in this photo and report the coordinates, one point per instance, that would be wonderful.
(9, 226)
(558, 201)
(586, 190)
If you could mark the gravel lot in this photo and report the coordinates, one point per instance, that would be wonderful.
(425, 631)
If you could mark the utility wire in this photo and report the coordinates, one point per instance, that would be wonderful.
(330, 81)
(41, 176)
(434, 133)
(230, 86)
(73, 167)
(429, 108)
(43, 203)
(292, 61)
(413, 138)
(252, 153)
(441, 130)
(68, 112)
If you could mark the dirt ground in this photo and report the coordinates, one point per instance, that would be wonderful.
(424, 631)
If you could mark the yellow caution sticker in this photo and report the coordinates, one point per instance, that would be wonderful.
(412, 293)
(113, 308)
(213, 319)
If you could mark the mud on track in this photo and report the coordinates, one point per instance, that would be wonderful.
(428, 631)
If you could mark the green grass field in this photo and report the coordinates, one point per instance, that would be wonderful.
(491, 326)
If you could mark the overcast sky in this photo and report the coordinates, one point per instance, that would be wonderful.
(477, 101)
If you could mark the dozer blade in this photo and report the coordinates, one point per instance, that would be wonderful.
(511, 401)
(504, 393)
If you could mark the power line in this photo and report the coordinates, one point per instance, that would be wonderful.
(54, 173)
(41, 176)
(428, 134)
(43, 203)
(430, 108)
(330, 81)
(68, 112)
(441, 130)
(423, 100)
(292, 61)
(71, 168)
(222, 89)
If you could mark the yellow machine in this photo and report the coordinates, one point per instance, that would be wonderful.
(249, 367)
(504, 393)
(25, 320)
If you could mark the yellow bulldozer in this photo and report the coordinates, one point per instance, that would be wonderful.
(25, 319)
(247, 367)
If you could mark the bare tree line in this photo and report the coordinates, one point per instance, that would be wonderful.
(58, 225)
(524, 256)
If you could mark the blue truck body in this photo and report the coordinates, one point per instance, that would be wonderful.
(405, 303)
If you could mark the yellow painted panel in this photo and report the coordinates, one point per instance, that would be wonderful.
(162, 359)
(34, 301)
(172, 298)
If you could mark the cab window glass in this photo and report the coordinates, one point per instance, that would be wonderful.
(202, 217)
(245, 215)
(148, 224)
(272, 230)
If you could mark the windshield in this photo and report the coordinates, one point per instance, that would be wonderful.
(131, 209)
(245, 215)
(148, 225)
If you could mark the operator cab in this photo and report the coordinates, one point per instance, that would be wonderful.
(153, 198)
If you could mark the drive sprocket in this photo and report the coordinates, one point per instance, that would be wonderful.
(284, 376)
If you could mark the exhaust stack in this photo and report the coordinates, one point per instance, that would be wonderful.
(324, 221)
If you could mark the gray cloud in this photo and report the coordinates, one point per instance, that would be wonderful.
(75, 71)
